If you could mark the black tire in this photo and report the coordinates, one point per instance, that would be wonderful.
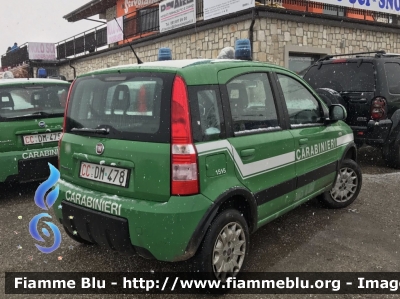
(203, 260)
(348, 183)
(77, 238)
(392, 156)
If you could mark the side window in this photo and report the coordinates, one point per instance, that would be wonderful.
(207, 115)
(302, 106)
(252, 103)
(208, 107)
(392, 71)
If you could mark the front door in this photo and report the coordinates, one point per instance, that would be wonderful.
(316, 144)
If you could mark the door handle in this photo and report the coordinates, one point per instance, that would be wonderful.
(303, 141)
(247, 152)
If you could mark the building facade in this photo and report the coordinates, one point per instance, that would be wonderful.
(293, 34)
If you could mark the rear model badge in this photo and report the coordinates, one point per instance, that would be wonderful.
(42, 124)
(99, 148)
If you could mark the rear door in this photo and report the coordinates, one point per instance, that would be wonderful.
(316, 144)
(355, 80)
(262, 148)
(117, 136)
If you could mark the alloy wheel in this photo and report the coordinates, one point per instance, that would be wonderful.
(346, 185)
(229, 251)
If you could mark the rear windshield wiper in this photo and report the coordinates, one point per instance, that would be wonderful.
(102, 131)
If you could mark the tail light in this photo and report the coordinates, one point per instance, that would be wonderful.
(184, 174)
(64, 122)
(341, 60)
(59, 150)
(378, 108)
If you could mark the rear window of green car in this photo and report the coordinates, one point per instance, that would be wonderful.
(131, 106)
(22, 101)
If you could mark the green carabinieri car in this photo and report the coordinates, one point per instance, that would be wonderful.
(31, 118)
(185, 159)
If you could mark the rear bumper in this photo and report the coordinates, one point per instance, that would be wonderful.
(375, 133)
(97, 227)
(28, 165)
(151, 229)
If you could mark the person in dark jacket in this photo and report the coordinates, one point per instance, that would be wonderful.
(14, 48)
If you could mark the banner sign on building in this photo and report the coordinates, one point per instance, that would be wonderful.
(115, 31)
(41, 51)
(213, 9)
(382, 6)
(175, 14)
(129, 6)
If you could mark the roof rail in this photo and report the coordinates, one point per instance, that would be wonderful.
(390, 55)
(327, 57)
(365, 56)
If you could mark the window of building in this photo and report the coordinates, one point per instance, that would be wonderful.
(149, 20)
(299, 63)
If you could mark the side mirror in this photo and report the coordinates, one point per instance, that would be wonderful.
(337, 112)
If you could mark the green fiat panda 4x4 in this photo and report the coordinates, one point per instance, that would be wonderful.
(31, 117)
(184, 159)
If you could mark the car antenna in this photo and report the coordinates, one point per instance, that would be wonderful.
(138, 59)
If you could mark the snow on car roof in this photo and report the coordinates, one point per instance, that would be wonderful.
(165, 63)
(175, 63)
(31, 80)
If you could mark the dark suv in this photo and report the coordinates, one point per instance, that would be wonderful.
(369, 85)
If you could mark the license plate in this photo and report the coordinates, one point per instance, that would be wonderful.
(104, 174)
(41, 138)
